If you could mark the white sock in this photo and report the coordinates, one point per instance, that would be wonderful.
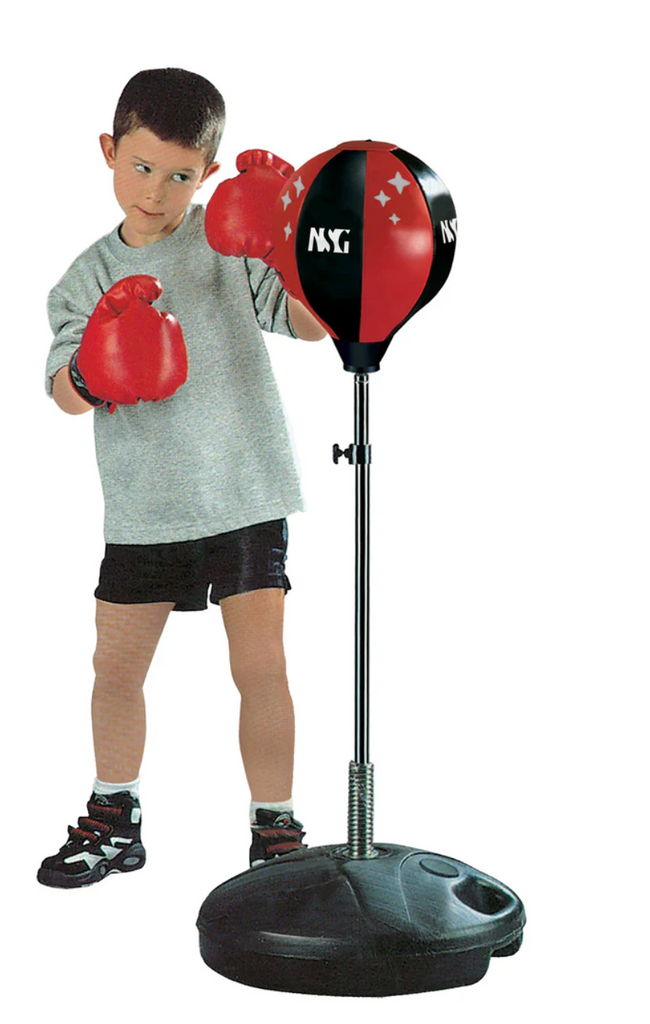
(279, 805)
(110, 788)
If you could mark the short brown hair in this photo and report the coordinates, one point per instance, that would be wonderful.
(177, 106)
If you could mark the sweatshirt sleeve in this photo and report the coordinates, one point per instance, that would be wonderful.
(269, 298)
(69, 306)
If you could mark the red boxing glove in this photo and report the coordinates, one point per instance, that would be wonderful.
(239, 217)
(129, 351)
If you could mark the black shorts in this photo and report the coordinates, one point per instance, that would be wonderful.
(227, 564)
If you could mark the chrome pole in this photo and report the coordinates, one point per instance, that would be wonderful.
(361, 785)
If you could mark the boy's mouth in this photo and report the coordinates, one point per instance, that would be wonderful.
(147, 213)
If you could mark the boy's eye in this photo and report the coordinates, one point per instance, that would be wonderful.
(180, 177)
(142, 168)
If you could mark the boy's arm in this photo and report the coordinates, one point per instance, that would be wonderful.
(65, 396)
(305, 326)
(278, 312)
(238, 222)
(69, 306)
(124, 352)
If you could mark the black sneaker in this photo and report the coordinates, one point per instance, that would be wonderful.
(273, 835)
(107, 840)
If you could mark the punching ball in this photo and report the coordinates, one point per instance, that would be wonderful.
(364, 236)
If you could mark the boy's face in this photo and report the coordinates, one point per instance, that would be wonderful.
(154, 183)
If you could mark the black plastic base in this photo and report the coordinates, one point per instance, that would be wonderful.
(320, 922)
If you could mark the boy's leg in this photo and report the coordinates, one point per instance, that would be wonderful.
(254, 624)
(127, 637)
(108, 838)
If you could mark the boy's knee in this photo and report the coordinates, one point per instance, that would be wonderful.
(253, 672)
(116, 668)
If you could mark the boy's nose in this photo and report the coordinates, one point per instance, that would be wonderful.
(156, 191)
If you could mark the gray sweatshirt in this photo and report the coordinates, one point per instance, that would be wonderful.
(217, 455)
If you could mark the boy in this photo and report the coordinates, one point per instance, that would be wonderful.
(197, 485)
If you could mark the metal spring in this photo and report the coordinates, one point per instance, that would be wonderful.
(360, 810)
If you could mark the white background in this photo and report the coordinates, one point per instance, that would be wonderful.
(509, 425)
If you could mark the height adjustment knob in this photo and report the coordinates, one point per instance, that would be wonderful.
(356, 454)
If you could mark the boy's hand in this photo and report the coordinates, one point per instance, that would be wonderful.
(129, 351)
(239, 217)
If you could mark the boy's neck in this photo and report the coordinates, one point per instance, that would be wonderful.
(137, 240)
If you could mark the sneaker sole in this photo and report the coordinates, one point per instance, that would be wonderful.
(289, 855)
(131, 860)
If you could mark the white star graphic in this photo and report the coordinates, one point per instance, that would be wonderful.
(286, 199)
(383, 198)
(287, 232)
(299, 186)
(399, 182)
(395, 218)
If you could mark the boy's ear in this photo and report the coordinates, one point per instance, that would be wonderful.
(108, 149)
(209, 170)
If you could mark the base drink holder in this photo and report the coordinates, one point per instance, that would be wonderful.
(361, 919)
